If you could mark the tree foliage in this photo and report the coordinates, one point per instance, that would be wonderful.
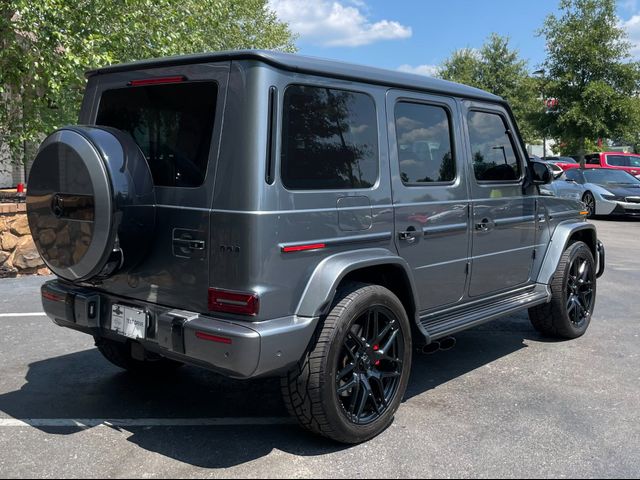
(45, 47)
(590, 73)
(498, 69)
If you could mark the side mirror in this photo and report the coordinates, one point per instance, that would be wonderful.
(542, 173)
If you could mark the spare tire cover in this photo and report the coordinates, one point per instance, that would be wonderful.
(90, 202)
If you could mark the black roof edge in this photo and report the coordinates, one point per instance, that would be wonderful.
(315, 66)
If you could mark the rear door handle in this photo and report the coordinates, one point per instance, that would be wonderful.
(410, 235)
(484, 225)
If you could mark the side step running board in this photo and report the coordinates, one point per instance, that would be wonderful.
(443, 324)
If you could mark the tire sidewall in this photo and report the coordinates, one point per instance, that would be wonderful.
(575, 250)
(592, 213)
(368, 297)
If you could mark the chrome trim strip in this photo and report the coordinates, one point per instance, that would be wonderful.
(444, 229)
(514, 220)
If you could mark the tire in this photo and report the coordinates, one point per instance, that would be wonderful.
(589, 200)
(326, 400)
(573, 297)
(119, 354)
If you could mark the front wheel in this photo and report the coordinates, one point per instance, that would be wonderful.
(351, 382)
(590, 202)
(573, 299)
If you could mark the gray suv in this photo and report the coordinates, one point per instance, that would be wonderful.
(262, 214)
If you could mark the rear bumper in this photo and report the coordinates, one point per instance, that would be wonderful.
(236, 349)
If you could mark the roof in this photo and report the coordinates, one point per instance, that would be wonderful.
(316, 66)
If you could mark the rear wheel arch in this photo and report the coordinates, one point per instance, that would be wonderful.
(372, 266)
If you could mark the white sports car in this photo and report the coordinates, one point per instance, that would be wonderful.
(604, 191)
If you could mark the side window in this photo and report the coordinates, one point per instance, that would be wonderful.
(493, 153)
(593, 159)
(424, 143)
(574, 175)
(618, 160)
(329, 139)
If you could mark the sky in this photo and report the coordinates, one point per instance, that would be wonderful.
(418, 35)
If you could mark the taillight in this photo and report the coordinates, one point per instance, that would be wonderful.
(53, 297)
(157, 81)
(233, 302)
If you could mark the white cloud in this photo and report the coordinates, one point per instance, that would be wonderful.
(428, 70)
(336, 24)
(632, 27)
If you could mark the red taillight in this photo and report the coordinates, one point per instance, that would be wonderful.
(213, 338)
(233, 302)
(302, 248)
(53, 297)
(157, 81)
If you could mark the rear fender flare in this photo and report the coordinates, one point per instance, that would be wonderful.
(323, 283)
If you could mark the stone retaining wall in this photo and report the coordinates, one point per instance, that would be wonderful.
(18, 253)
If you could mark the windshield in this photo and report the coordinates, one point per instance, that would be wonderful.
(610, 176)
(623, 161)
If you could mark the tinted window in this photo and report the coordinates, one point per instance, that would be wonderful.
(623, 161)
(493, 154)
(172, 124)
(592, 159)
(424, 143)
(574, 175)
(329, 139)
(608, 175)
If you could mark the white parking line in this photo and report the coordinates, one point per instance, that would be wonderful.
(29, 314)
(144, 422)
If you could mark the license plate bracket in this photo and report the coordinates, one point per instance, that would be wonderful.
(130, 322)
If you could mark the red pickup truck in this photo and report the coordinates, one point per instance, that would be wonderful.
(629, 162)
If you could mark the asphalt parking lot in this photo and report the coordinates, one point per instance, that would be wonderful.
(504, 403)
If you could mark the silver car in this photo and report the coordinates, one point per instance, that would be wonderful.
(604, 191)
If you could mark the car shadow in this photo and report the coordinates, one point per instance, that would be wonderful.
(83, 385)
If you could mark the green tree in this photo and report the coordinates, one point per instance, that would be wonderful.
(463, 66)
(47, 45)
(590, 73)
(499, 69)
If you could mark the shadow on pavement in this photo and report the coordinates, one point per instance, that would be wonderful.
(83, 385)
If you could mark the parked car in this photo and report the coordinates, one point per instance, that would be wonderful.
(629, 162)
(565, 163)
(260, 214)
(604, 191)
(564, 188)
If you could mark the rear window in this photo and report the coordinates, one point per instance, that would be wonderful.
(623, 161)
(172, 124)
(329, 139)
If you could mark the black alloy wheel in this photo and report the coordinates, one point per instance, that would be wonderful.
(370, 363)
(580, 292)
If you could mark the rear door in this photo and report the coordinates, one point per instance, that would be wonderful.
(503, 215)
(430, 195)
(175, 116)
